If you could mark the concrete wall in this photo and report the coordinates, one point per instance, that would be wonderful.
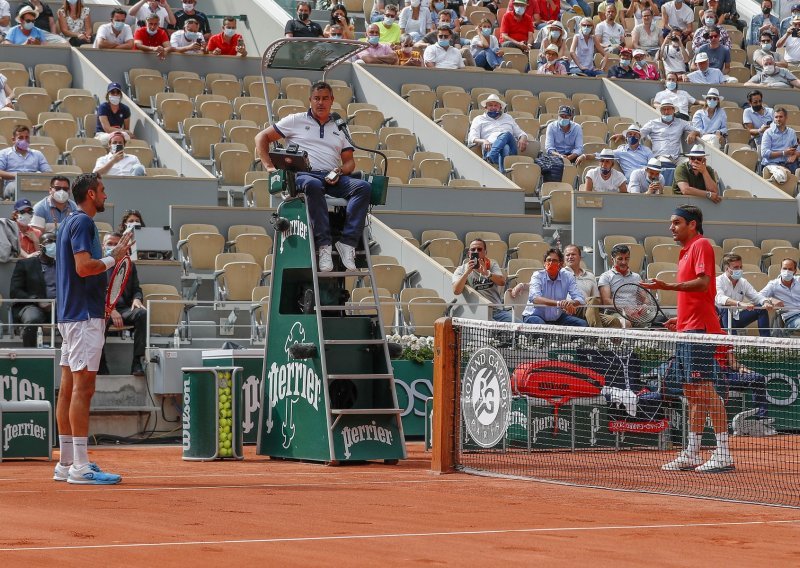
(417, 221)
(500, 200)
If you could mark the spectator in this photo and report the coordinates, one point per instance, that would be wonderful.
(735, 291)
(34, 278)
(605, 178)
(446, 19)
(516, 27)
(647, 35)
(116, 34)
(696, 178)
(28, 243)
(786, 23)
(611, 33)
(584, 47)
(678, 97)
(129, 311)
(610, 280)
(563, 137)
(678, 17)
(112, 115)
(498, 133)
(437, 9)
(773, 76)
(152, 38)
(648, 179)
(339, 17)
(767, 48)
(784, 292)
(227, 41)
(633, 154)
(763, 22)
(407, 55)
(704, 33)
(545, 11)
(643, 68)
(553, 294)
(44, 16)
(377, 11)
(75, 22)
(5, 17)
(587, 283)
(712, 121)
(188, 11)
(485, 276)
(757, 117)
(459, 10)
(390, 31)
(705, 75)
(189, 40)
(6, 101)
(485, 47)
(778, 143)
(377, 52)
(53, 209)
(336, 32)
(623, 69)
(665, 135)
(158, 8)
(416, 20)
(726, 14)
(553, 34)
(26, 33)
(19, 158)
(719, 56)
(674, 55)
(552, 65)
(790, 41)
(131, 218)
(302, 26)
(442, 54)
(117, 162)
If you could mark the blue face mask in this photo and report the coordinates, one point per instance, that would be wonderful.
(667, 118)
(605, 171)
(486, 31)
(625, 62)
(554, 35)
(108, 250)
(493, 113)
(374, 40)
(737, 274)
(564, 121)
(28, 26)
(337, 36)
(712, 103)
(444, 43)
(118, 25)
(671, 85)
(633, 140)
(50, 250)
(438, 5)
(519, 10)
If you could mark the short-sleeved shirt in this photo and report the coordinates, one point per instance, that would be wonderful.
(163, 15)
(78, 298)
(442, 58)
(696, 310)
(46, 214)
(202, 19)
(685, 173)
(390, 35)
(125, 167)
(217, 41)
(718, 57)
(42, 22)
(610, 35)
(757, 119)
(156, 40)
(678, 18)
(606, 185)
(115, 119)
(483, 285)
(614, 279)
(781, 78)
(517, 30)
(16, 36)
(106, 32)
(303, 29)
(323, 142)
(179, 39)
(680, 98)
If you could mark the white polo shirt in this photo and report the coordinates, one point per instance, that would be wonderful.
(442, 58)
(323, 142)
(122, 168)
(106, 32)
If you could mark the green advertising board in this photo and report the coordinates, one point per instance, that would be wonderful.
(414, 384)
(25, 430)
(252, 363)
(28, 374)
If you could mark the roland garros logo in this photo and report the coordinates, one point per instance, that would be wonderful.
(486, 397)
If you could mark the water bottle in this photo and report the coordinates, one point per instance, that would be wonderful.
(39, 338)
(176, 342)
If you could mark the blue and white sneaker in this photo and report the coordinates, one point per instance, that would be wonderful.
(91, 474)
(61, 472)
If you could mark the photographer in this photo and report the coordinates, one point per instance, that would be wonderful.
(790, 41)
(117, 162)
(485, 276)
(189, 40)
(678, 17)
(674, 55)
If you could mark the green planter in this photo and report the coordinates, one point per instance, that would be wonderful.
(414, 384)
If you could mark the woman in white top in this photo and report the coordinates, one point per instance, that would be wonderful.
(584, 47)
(647, 35)
(416, 20)
(605, 178)
(75, 22)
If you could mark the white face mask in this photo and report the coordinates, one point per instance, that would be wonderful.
(188, 7)
(229, 32)
(769, 69)
(25, 219)
(787, 275)
(60, 196)
(114, 100)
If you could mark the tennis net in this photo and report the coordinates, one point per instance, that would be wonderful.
(607, 408)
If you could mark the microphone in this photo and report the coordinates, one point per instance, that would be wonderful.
(341, 124)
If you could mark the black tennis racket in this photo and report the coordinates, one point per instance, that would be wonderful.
(116, 284)
(637, 305)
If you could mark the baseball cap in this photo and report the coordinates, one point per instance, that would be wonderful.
(565, 109)
(795, 8)
(114, 87)
(22, 205)
(624, 50)
(639, 52)
(700, 57)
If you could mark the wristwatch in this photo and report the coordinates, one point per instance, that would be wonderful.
(708, 195)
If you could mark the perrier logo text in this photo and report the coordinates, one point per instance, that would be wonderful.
(13, 431)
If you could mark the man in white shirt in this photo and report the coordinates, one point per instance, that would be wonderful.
(680, 98)
(117, 162)
(587, 283)
(665, 135)
(790, 41)
(784, 292)
(116, 34)
(679, 17)
(158, 7)
(705, 74)
(611, 280)
(498, 133)
(735, 291)
(442, 55)
(647, 179)
(189, 40)
(611, 34)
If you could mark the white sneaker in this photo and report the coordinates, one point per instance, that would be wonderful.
(720, 462)
(347, 254)
(61, 472)
(684, 462)
(325, 263)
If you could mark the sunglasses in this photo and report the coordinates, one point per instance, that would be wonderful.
(443, 37)
(713, 37)
(696, 158)
(712, 99)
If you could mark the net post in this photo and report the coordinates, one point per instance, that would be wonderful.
(444, 396)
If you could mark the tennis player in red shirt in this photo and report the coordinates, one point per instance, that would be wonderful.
(696, 314)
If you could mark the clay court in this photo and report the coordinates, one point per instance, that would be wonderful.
(283, 513)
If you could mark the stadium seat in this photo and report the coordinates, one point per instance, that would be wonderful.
(435, 168)
(429, 234)
(652, 241)
(15, 77)
(777, 254)
(653, 268)
(737, 194)
(33, 103)
(85, 156)
(425, 181)
(666, 253)
(53, 79)
(485, 235)
(768, 244)
(172, 112)
(161, 172)
(47, 147)
(165, 315)
(557, 208)
(189, 228)
(515, 238)
(228, 88)
(748, 157)
(463, 183)
(59, 129)
(236, 280)
(423, 101)
(141, 150)
(389, 276)
(399, 167)
(145, 87)
(189, 86)
(757, 279)
(534, 250)
(423, 312)
(8, 123)
(450, 248)
(400, 141)
(457, 125)
(789, 186)
(750, 254)
(456, 99)
(77, 105)
(201, 137)
(220, 111)
(728, 244)
(407, 294)
(444, 262)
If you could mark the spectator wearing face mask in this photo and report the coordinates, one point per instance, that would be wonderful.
(703, 34)
(643, 68)
(407, 54)
(188, 11)
(302, 26)
(112, 115)
(678, 97)
(416, 20)
(647, 179)
(674, 55)
(757, 117)
(28, 236)
(784, 292)
(20, 158)
(228, 42)
(485, 47)
(605, 178)
(763, 22)
(189, 40)
(773, 76)
(152, 38)
(34, 278)
(498, 133)
(377, 52)
(786, 23)
(116, 34)
(633, 154)
(144, 9)
(463, 46)
(117, 162)
(712, 121)
(26, 33)
(516, 27)
(75, 22)
(790, 41)
(388, 27)
(623, 69)
(585, 45)
(131, 219)
(53, 209)
(767, 48)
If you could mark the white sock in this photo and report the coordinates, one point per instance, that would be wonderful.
(693, 447)
(81, 451)
(722, 442)
(65, 445)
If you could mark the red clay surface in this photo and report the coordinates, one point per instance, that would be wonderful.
(168, 512)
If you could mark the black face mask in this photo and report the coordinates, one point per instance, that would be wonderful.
(766, 11)
(757, 108)
(302, 16)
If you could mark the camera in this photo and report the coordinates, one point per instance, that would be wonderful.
(474, 256)
(794, 31)
(116, 148)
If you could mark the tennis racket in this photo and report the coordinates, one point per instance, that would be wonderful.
(637, 305)
(116, 284)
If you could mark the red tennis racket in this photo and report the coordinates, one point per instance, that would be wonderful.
(117, 282)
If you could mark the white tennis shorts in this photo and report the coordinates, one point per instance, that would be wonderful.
(82, 344)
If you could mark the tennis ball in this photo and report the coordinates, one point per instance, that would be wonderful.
(226, 444)
(223, 399)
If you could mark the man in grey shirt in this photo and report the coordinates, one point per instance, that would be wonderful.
(611, 280)
(485, 276)
(773, 76)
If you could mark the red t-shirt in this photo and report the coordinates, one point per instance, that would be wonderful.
(547, 14)
(696, 310)
(218, 41)
(148, 40)
(517, 30)
(529, 9)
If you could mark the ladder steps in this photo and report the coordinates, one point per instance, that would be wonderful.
(354, 341)
(353, 307)
(359, 376)
(356, 411)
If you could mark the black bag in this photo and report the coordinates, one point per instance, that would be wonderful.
(552, 167)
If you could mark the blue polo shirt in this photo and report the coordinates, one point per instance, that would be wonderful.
(631, 159)
(569, 142)
(77, 298)
(16, 36)
(773, 140)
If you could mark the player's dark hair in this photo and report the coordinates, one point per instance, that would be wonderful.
(620, 249)
(692, 213)
(728, 258)
(83, 183)
(552, 250)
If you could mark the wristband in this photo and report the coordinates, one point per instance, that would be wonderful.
(108, 261)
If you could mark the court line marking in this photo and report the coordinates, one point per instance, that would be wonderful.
(400, 535)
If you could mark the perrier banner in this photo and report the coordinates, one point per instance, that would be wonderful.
(28, 374)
